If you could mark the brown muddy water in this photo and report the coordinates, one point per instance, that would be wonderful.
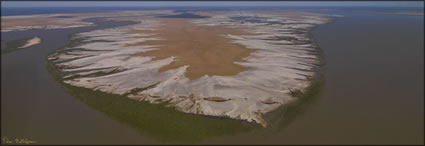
(35, 107)
(372, 91)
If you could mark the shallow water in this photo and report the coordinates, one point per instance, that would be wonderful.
(35, 107)
(374, 81)
(372, 91)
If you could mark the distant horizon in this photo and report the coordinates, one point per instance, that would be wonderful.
(33, 4)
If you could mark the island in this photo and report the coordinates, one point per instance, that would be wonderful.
(239, 65)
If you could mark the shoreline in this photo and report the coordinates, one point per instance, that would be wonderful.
(315, 86)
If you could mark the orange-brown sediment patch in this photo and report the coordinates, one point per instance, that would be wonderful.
(203, 48)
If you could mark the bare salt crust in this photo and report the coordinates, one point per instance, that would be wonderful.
(275, 67)
(31, 42)
(66, 23)
(74, 21)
